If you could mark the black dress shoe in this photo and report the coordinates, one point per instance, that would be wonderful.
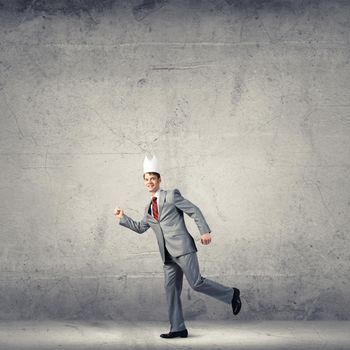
(182, 334)
(236, 302)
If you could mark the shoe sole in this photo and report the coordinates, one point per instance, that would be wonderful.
(177, 336)
(236, 301)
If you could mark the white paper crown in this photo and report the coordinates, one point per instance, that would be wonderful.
(150, 165)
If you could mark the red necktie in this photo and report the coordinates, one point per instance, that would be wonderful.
(155, 207)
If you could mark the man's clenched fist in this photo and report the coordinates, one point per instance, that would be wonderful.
(119, 213)
(206, 238)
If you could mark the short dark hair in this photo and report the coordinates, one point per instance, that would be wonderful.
(152, 173)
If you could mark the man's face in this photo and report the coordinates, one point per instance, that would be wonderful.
(152, 182)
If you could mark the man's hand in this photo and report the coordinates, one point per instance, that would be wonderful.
(205, 238)
(119, 213)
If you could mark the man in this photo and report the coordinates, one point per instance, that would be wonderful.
(165, 215)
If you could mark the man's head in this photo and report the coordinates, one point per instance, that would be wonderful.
(152, 181)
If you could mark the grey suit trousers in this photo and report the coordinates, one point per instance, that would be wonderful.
(174, 268)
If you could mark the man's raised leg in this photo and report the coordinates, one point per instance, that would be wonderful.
(190, 267)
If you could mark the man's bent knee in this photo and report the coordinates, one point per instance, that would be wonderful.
(197, 285)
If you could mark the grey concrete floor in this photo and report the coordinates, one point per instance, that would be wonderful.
(202, 335)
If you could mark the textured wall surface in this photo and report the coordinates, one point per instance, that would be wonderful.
(245, 103)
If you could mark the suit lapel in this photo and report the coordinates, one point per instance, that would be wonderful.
(161, 203)
(147, 214)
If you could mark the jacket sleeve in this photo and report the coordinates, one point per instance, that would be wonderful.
(191, 210)
(137, 226)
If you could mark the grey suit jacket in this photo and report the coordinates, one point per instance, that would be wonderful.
(170, 229)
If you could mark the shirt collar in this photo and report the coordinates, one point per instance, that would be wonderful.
(157, 194)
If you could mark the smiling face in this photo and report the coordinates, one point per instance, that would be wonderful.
(152, 182)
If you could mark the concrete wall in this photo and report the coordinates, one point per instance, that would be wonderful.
(245, 103)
